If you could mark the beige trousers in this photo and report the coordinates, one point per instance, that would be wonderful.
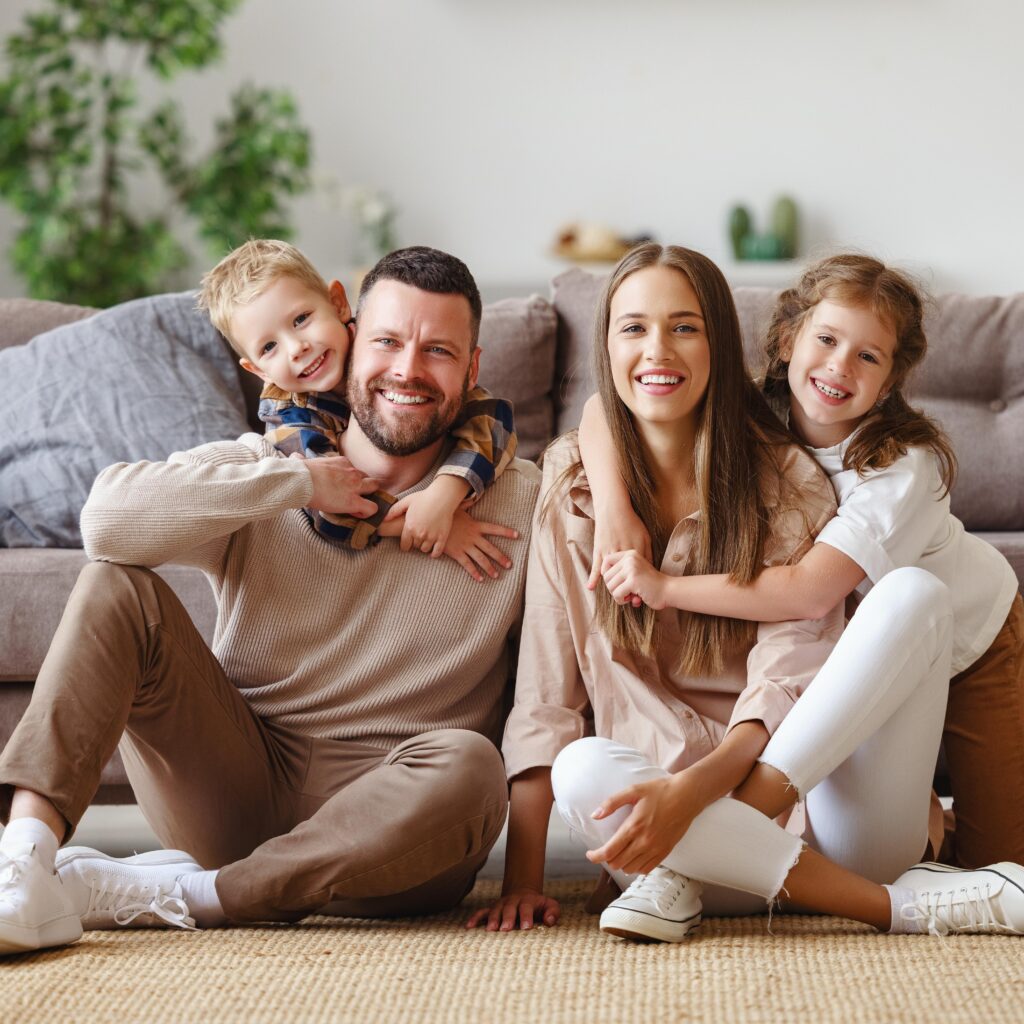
(293, 822)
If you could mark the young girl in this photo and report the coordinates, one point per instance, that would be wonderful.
(689, 709)
(840, 346)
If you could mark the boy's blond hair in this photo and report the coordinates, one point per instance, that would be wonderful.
(246, 273)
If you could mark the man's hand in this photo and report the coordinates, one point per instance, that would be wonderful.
(468, 545)
(663, 810)
(631, 579)
(429, 514)
(617, 528)
(525, 905)
(338, 486)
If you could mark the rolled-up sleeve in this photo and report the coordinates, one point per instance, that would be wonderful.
(551, 706)
(781, 665)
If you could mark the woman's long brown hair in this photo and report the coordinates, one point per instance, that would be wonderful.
(734, 433)
(893, 426)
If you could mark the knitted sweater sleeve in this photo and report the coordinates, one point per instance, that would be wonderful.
(187, 508)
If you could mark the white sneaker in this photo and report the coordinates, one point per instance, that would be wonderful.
(129, 892)
(956, 900)
(661, 906)
(35, 909)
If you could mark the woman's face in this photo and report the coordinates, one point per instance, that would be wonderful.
(658, 346)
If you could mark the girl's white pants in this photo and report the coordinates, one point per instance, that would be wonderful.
(859, 746)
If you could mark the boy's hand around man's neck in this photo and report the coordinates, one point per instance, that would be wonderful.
(338, 487)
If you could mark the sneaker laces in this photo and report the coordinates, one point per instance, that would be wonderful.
(661, 886)
(954, 910)
(11, 870)
(127, 902)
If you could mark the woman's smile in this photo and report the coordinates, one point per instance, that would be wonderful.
(658, 382)
(658, 346)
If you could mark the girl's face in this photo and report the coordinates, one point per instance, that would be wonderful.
(840, 364)
(658, 346)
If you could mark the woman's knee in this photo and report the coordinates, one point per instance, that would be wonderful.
(589, 770)
(576, 768)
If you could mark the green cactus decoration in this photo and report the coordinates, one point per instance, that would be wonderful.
(778, 244)
(739, 228)
(784, 226)
(71, 141)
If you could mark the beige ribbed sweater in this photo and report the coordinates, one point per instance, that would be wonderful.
(376, 645)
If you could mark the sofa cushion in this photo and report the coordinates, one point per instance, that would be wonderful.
(22, 319)
(517, 339)
(574, 295)
(35, 585)
(134, 382)
(972, 382)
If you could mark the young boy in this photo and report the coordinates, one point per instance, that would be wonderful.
(293, 331)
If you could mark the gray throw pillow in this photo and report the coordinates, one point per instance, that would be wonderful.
(134, 382)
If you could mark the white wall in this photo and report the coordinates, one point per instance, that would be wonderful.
(895, 123)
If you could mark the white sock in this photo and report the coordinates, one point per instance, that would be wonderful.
(910, 924)
(31, 830)
(201, 896)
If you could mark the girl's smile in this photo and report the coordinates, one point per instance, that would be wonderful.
(839, 367)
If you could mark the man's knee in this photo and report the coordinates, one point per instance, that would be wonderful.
(106, 584)
(474, 769)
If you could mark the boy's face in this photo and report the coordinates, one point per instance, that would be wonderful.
(294, 336)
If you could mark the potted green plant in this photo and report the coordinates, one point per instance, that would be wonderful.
(73, 142)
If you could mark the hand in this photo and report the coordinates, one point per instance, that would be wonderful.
(663, 810)
(528, 906)
(429, 513)
(468, 545)
(338, 486)
(630, 578)
(618, 528)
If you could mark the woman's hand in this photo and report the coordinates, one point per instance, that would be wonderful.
(526, 905)
(663, 810)
(617, 529)
(630, 578)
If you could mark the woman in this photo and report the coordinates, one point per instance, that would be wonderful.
(688, 709)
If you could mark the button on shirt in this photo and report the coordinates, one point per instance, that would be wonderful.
(572, 681)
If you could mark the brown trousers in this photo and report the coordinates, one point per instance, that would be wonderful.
(293, 822)
(984, 744)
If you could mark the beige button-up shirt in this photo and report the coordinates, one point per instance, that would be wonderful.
(573, 682)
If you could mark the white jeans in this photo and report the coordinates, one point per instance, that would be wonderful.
(859, 745)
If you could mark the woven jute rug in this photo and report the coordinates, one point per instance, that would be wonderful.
(806, 969)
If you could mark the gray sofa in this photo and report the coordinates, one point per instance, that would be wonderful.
(536, 352)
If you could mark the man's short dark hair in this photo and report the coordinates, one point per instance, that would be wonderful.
(431, 271)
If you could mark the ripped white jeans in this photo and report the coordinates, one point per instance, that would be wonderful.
(859, 746)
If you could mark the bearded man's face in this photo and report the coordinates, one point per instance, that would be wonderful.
(412, 362)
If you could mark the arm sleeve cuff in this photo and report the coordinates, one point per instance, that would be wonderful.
(861, 547)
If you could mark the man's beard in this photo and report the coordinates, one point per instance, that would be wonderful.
(402, 438)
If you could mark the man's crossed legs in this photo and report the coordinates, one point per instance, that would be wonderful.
(288, 822)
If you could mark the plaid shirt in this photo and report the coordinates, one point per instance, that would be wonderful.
(312, 424)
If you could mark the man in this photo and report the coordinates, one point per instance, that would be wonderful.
(335, 747)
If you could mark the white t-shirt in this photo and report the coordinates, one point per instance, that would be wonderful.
(898, 516)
